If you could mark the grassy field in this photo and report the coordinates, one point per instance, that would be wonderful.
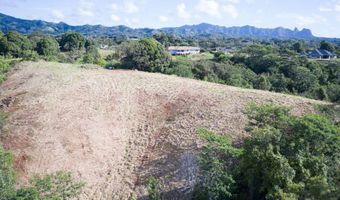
(104, 52)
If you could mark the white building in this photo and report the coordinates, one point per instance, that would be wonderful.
(183, 50)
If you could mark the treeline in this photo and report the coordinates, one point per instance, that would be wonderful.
(285, 157)
(259, 66)
(275, 65)
(69, 47)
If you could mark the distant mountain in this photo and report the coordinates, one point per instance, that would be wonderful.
(28, 26)
(243, 31)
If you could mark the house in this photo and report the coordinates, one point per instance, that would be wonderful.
(183, 50)
(320, 54)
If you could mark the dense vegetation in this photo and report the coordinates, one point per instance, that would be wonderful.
(286, 157)
(55, 186)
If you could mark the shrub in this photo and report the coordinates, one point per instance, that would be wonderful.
(56, 186)
(153, 189)
(286, 157)
(48, 46)
(145, 55)
(7, 176)
(59, 185)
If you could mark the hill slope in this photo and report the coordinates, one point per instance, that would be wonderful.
(204, 29)
(113, 129)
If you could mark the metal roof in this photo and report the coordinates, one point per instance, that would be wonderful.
(183, 48)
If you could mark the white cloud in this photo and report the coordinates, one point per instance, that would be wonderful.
(58, 14)
(86, 8)
(210, 7)
(131, 22)
(115, 18)
(130, 7)
(182, 11)
(325, 9)
(163, 18)
(337, 7)
(234, 1)
(114, 7)
(302, 20)
(231, 10)
(250, 1)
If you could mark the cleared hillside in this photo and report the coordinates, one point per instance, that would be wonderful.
(113, 129)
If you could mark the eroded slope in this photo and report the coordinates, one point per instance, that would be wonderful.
(113, 129)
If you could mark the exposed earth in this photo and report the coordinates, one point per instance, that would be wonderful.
(114, 129)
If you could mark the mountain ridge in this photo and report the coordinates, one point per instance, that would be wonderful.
(198, 30)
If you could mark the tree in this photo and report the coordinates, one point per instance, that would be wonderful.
(92, 55)
(303, 80)
(262, 83)
(298, 47)
(14, 44)
(146, 55)
(48, 46)
(285, 157)
(327, 46)
(72, 41)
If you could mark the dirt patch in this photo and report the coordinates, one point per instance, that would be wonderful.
(114, 129)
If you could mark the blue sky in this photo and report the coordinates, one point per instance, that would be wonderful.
(321, 16)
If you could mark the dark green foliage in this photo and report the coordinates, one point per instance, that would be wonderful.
(298, 47)
(181, 67)
(91, 55)
(153, 189)
(47, 46)
(146, 55)
(59, 185)
(26, 194)
(261, 58)
(327, 46)
(262, 83)
(333, 92)
(220, 57)
(303, 79)
(14, 44)
(216, 180)
(286, 157)
(4, 68)
(72, 41)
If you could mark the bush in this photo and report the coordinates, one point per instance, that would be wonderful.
(14, 44)
(72, 41)
(181, 67)
(145, 55)
(4, 68)
(153, 189)
(56, 186)
(48, 46)
(286, 157)
(59, 185)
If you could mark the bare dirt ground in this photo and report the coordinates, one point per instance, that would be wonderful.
(114, 129)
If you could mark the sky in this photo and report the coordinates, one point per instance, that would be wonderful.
(321, 16)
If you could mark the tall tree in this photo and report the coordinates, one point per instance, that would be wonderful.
(327, 46)
(146, 55)
(72, 41)
(47, 46)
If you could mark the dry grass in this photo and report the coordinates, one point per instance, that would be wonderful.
(115, 128)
